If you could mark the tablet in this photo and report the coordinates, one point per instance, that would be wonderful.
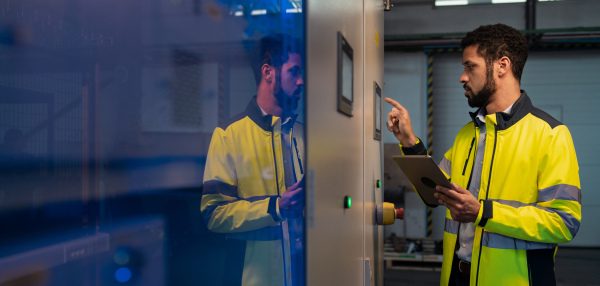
(424, 174)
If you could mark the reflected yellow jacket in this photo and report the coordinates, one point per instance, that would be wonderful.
(243, 179)
(530, 196)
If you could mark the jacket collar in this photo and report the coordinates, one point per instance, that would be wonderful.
(265, 122)
(520, 109)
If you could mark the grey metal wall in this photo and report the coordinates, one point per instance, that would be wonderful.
(372, 169)
(343, 158)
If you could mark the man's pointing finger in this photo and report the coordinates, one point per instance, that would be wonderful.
(394, 103)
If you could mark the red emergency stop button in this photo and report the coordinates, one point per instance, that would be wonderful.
(400, 213)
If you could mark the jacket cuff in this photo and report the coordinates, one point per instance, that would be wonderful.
(486, 211)
(274, 209)
(417, 149)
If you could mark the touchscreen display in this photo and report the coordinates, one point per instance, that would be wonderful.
(347, 77)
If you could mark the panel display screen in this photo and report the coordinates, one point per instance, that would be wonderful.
(345, 76)
(377, 111)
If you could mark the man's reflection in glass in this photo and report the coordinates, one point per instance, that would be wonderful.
(253, 183)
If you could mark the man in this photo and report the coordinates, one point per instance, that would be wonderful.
(516, 191)
(253, 178)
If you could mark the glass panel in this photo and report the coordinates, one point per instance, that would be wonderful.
(138, 147)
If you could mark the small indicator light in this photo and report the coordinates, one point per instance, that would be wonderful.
(123, 274)
(347, 202)
(378, 184)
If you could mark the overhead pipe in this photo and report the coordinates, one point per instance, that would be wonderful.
(452, 40)
(530, 22)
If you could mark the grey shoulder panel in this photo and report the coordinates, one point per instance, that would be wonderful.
(546, 117)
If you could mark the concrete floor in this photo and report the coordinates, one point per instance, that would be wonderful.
(574, 267)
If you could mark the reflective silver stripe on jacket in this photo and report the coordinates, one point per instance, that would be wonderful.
(445, 165)
(570, 221)
(451, 226)
(498, 241)
(560, 192)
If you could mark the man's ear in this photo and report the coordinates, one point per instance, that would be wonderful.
(268, 72)
(504, 66)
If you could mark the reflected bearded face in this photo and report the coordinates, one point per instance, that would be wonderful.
(289, 84)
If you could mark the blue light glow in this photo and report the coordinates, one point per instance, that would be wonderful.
(123, 274)
(121, 257)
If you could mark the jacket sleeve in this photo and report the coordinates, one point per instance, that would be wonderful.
(417, 149)
(556, 216)
(222, 209)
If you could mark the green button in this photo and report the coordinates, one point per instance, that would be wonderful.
(347, 202)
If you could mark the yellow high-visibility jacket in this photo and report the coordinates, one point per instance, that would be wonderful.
(243, 179)
(530, 196)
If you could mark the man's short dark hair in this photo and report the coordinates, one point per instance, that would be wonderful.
(274, 50)
(496, 41)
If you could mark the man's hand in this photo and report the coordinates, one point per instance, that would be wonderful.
(463, 206)
(398, 122)
(291, 202)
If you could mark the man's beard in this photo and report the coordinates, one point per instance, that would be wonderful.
(482, 98)
(287, 103)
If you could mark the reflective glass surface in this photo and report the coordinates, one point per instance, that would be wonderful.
(151, 142)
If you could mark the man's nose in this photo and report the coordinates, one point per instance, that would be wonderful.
(300, 81)
(463, 78)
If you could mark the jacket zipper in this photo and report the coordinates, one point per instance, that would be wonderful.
(487, 193)
(468, 157)
(472, 166)
(298, 156)
(277, 184)
(275, 161)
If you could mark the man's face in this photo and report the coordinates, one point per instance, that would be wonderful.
(289, 83)
(478, 78)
